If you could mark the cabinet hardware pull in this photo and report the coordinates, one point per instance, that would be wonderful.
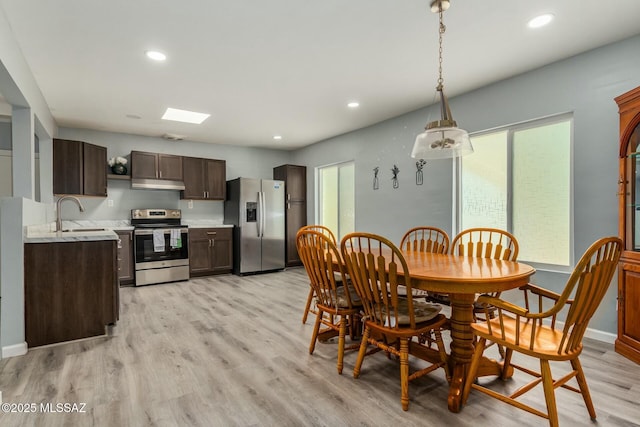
(212, 233)
(213, 243)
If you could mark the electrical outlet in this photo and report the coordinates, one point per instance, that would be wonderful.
(190, 204)
(110, 203)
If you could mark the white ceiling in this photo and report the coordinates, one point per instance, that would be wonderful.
(285, 67)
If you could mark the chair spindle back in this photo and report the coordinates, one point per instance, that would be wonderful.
(425, 239)
(376, 267)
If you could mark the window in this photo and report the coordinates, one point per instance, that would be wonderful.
(336, 198)
(519, 179)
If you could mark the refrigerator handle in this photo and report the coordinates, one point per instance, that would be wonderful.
(259, 219)
(262, 214)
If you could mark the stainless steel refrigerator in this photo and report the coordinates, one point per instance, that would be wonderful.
(256, 208)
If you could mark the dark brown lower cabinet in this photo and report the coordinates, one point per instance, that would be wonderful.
(296, 217)
(71, 290)
(126, 271)
(210, 251)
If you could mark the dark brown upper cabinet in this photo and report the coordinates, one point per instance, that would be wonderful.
(204, 179)
(79, 168)
(295, 181)
(156, 166)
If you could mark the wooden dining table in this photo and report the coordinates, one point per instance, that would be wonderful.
(463, 277)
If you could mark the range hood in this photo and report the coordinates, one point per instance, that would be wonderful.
(156, 184)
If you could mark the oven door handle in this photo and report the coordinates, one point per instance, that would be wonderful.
(164, 231)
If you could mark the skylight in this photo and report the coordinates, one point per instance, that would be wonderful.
(184, 116)
(155, 55)
(540, 21)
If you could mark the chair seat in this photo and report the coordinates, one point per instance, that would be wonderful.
(423, 311)
(416, 293)
(439, 298)
(342, 299)
(545, 340)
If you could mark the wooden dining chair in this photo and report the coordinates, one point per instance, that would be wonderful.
(308, 308)
(426, 239)
(321, 260)
(533, 330)
(485, 243)
(377, 268)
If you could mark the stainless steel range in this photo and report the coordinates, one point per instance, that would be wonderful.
(160, 246)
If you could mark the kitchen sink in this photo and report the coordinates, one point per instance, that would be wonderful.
(80, 230)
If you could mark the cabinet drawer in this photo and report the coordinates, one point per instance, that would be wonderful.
(210, 233)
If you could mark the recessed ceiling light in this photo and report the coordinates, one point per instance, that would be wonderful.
(540, 21)
(277, 137)
(155, 55)
(353, 104)
(184, 116)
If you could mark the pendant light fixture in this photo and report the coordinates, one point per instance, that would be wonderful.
(442, 139)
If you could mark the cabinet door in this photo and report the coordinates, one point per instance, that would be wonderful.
(296, 217)
(199, 252)
(125, 257)
(194, 177)
(67, 167)
(144, 165)
(629, 301)
(297, 182)
(223, 250)
(216, 179)
(94, 170)
(170, 167)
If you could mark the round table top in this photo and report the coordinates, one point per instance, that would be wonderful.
(463, 274)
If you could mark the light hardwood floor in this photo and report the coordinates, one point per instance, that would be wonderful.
(231, 351)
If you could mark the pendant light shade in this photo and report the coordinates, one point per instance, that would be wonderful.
(442, 139)
(442, 143)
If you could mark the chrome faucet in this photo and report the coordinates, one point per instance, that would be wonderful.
(58, 210)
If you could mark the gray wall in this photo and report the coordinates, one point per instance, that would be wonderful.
(241, 161)
(585, 85)
(387, 210)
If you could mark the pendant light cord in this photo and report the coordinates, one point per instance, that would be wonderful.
(441, 33)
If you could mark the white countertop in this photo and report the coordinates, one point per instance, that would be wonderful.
(85, 230)
(40, 236)
(205, 223)
(82, 231)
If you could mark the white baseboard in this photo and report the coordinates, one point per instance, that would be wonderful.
(14, 350)
(595, 334)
